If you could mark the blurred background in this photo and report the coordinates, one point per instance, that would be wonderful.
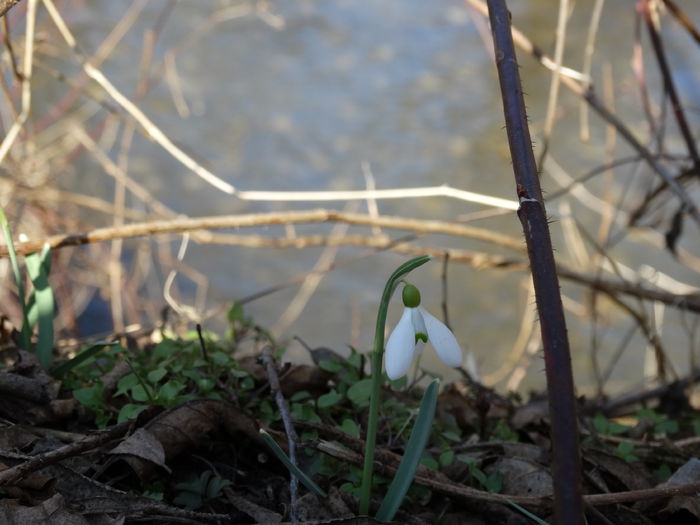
(350, 95)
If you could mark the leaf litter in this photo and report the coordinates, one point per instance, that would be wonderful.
(192, 452)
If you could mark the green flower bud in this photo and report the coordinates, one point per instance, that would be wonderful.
(410, 296)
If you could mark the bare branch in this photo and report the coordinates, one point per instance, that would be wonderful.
(263, 219)
(6, 5)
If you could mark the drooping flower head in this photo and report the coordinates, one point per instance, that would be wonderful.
(418, 325)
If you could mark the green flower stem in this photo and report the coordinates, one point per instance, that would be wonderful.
(377, 356)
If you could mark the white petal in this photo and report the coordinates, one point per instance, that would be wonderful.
(443, 340)
(400, 347)
(417, 320)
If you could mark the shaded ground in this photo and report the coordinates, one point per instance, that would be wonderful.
(168, 432)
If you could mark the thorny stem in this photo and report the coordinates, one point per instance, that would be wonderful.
(566, 468)
(377, 355)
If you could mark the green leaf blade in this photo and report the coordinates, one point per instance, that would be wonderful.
(300, 474)
(82, 357)
(411, 458)
(38, 266)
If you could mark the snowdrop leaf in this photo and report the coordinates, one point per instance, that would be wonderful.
(411, 458)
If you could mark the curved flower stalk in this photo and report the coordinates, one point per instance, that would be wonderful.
(414, 326)
(377, 358)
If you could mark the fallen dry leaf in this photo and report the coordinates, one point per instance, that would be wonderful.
(187, 426)
(141, 446)
(522, 477)
(682, 509)
(618, 474)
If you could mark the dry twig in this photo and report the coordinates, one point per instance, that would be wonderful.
(14, 474)
(292, 438)
(6, 5)
(588, 94)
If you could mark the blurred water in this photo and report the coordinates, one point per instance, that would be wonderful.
(408, 87)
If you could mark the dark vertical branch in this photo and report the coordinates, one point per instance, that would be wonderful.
(566, 468)
(669, 85)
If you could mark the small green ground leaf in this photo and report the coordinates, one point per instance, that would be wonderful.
(412, 457)
(169, 391)
(300, 396)
(90, 396)
(494, 482)
(305, 411)
(330, 365)
(215, 486)
(625, 450)
(452, 436)
(616, 429)
(663, 472)
(502, 432)
(329, 399)
(666, 427)
(479, 475)
(466, 458)
(601, 423)
(398, 384)
(156, 375)
(446, 458)
(350, 427)
(429, 461)
(130, 411)
(360, 392)
(125, 384)
(205, 385)
(139, 393)
(236, 313)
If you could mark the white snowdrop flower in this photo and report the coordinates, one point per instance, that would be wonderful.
(418, 325)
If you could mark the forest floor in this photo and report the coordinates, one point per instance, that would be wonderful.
(166, 430)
